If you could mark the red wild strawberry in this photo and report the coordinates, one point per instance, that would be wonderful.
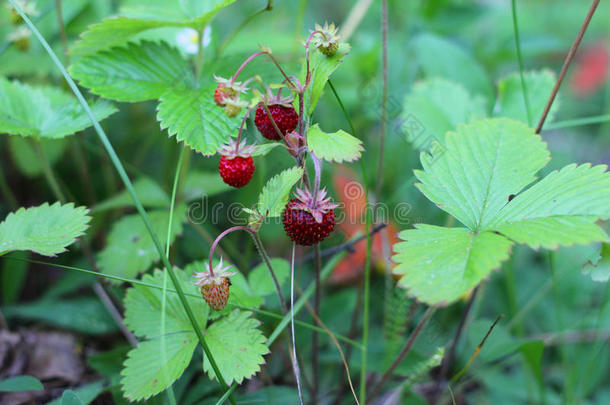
(214, 286)
(236, 166)
(282, 112)
(306, 221)
(222, 93)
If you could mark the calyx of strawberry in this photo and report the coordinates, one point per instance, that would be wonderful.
(294, 143)
(317, 206)
(327, 38)
(237, 87)
(232, 149)
(277, 99)
(213, 277)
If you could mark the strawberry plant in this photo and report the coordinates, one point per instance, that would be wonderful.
(209, 202)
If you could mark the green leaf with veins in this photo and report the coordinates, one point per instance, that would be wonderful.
(337, 146)
(539, 86)
(321, 67)
(265, 148)
(46, 229)
(260, 280)
(599, 271)
(193, 117)
(137, 72)
(276, 192)
(44, 112)
(238, 346)
(156, 14)
(143, 306)
(155, 364)
(436, 106)
(475, 178)
(472, 177)
(437, 265)
(561, 209)
(129, 248)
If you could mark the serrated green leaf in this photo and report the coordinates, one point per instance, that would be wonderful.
(44, 112)
(510, 102)
(599, 271)
(138, 72)
(156, 14)
(260, 280)
(129, 248)
(238, 346)
(439, 57)
(473, 176)
(559, 210)
(193, 117)
(86, 393)
(321, 67)
(143, 306)
(151, 195)
(337, 146)
(20, 383)
(26, 157)
(274, 196)
(434, 107)
(46, 229)
(155, 364)
(437, 265)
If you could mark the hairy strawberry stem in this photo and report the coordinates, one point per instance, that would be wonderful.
(241, 128)
(252, 57)
(318, 174)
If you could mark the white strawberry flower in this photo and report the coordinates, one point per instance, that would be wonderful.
(187, 39)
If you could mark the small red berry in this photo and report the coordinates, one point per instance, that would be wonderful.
(284, 115)
(307, 223)
(222, 93)
(237, 171)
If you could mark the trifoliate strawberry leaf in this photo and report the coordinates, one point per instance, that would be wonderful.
(143, 306)
(511, 103)
(238, 346)
(434, 107)
(138, 72)
(46, 229)
(274, 196)
(193, 117)
(156, 14)
(149, 192)
(474, 174)
(130, 250)
(44, 112)
(322, 67)
(600, 269)
(560, 209)
(155, 364)
(337, 146)
(437, 265)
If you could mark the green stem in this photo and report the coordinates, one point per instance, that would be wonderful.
(48, 171)
(384, 97)
(367, 264)
(520, 61)
(199, 60)
(121, 170)
(241, 26)
(597, 119)
(265, 257)
(315, 338)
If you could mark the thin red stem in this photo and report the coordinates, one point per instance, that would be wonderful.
(222, 235)
(241, 128)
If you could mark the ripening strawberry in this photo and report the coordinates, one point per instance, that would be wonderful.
(222, 93)
(236, 166)
(214, 285)
(308, 222)
(282, 112)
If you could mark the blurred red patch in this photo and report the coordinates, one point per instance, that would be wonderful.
(591, 70)
(351, 197)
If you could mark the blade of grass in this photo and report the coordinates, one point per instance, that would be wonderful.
(367, 263)
(520, 61)
(119, 167)
(597, 119)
